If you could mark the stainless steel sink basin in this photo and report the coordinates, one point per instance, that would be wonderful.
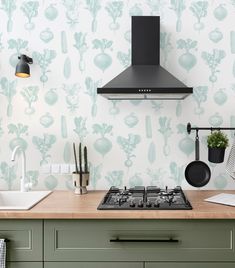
(16, 200)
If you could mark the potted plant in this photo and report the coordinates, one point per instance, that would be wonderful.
(217, 142)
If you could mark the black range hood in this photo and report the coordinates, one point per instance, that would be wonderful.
(145, 78)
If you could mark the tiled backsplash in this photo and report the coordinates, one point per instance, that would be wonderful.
(78, 45)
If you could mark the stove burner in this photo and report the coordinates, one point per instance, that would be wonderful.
(141, 198)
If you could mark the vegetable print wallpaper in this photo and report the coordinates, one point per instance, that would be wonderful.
(78, 45)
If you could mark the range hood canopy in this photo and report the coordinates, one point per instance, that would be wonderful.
(145, 78)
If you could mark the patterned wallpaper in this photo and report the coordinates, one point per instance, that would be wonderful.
(77, 45)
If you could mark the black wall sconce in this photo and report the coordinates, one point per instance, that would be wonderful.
(22, 67)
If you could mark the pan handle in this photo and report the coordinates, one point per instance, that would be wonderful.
(197, 146)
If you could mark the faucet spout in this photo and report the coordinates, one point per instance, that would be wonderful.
(14, 153)
(23, 187)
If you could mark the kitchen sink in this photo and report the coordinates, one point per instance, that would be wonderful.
(16, 200)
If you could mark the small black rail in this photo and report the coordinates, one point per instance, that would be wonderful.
(190, 128)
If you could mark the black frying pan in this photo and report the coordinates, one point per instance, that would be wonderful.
(197, 173)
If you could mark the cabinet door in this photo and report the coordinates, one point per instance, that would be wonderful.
(24, 239)
(24, 265)
(93, 264)
(189, 265)
(142, 240)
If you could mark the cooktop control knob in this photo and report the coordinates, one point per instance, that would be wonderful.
(140, 204)
(132, 204)
(148, 204)
(157, 204)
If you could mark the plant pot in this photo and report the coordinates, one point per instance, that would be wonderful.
(80, 183)
(216, 155)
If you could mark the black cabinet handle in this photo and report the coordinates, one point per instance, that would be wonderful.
(170, 240)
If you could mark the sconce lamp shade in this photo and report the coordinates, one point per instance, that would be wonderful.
(22, 67)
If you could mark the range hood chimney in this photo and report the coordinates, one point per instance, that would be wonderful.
(145, 78)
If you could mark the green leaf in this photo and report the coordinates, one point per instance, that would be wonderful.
(181, 44)
(97, 44)
(107, 128)
(12, 128)
(22, 129)
(108, 44)
(97, 129)
(12, 43)
(191, 43)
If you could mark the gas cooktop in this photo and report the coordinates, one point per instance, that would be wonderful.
(145, 198)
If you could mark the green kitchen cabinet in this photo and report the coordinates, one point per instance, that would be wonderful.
(111, 243)
(137, 265)
(94, 265)
(175, 240)
(24, 265)
(189, 265)
(24, 239)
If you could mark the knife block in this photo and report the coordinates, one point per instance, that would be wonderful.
(80, 183)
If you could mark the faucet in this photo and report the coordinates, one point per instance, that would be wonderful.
(24, 187)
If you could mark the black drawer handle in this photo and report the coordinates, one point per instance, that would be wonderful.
(170, 240)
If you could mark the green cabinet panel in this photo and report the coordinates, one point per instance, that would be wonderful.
(24, 265)
(24, 239)
(89, 240)
(189, 265)
(94, 265)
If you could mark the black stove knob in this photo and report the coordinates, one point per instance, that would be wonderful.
(157, 204)
(148, 204)
(132, 204)
(140, 204)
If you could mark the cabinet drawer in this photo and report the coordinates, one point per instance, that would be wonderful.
(189, 264)
(24, 239)
(174, 240)
(24, 265)
(94, 265)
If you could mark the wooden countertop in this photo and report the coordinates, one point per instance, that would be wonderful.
(67, 205)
